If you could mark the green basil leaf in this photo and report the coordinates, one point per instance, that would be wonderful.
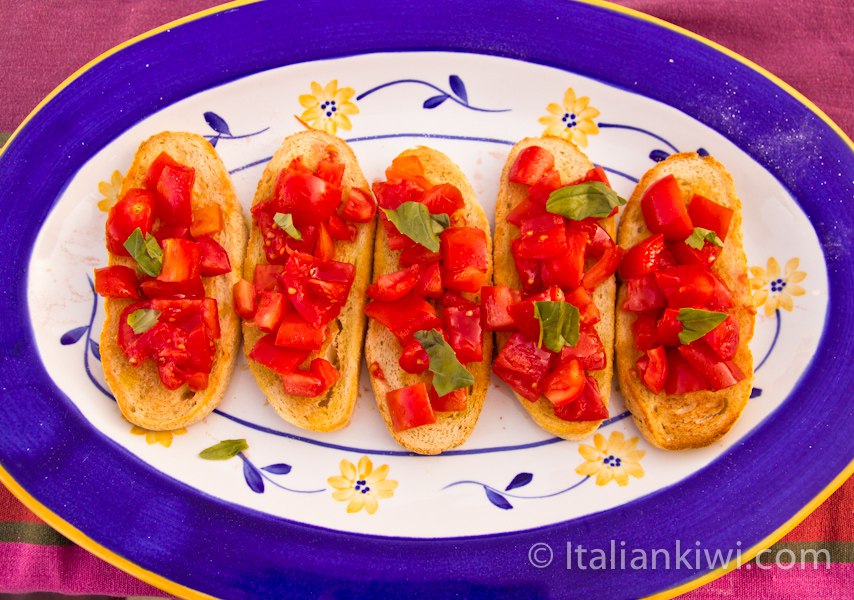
(224, 450)
(286, 222)
(143, 319)
(697, 322)
(583, 200)
(448, 372)
(413, 220)
(145, 251)
(700, 236)
(559, 324)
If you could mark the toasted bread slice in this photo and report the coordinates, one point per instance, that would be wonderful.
(381, 346)
(343, 347)
(696, 419)
(142, 398)
(572, 165)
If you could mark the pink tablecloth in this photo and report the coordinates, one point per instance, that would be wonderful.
(806, 43)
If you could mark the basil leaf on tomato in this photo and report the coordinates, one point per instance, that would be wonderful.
(700, 236)
(449, 374)
(224, 450)
(143, 319)
(697, 322)
(559, 324)
(583, 200)
(413, 220)
(145, 251)
(286, 222)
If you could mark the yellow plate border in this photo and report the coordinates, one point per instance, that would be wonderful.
(176, 589)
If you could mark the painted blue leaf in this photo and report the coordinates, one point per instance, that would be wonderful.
(71, 337)
(658, 155)
(96, 349)
(755, 392)
(497, 499)
(458, 87)
(214, 139)
(435, 101)
(217, 123)
(253, 477)
(278, 469)
(520, 480)
(702, 152)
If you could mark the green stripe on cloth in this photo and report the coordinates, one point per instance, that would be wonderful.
(31, 533)
(3, 137)
(808, 552)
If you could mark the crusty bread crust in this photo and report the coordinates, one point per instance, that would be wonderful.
(451, 428)
(343, 347)
(572, 165)
(142, 398)
(697, 419)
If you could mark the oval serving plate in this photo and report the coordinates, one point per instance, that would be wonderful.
(503, 513)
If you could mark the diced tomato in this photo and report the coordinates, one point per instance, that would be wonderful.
(395, 239)
(392, 286)
(267, 277)
(464, 258)
(522, 312)
(686, 285)
(310, 199)
(407, 167)
(531, 165)
(669, 328)
(117, 282)
(410, 407)
(174, 194)
(413, 357)
(463, 331)
(245, 299)
(724, 338)
(582, 299)
(523, 365)
(339, 230)
(664, 210)
(540, 191)
(642, 258)
(189, 288)
(495, 303)
(645, 330)
(314, 382)
(566, 270)
(404, 316)
(443, 198)
(451, 402)
(652, 368)
(207, 220)
(710, 215)
(565, 383)
(376, 371)
(643, 294)
(134, 210)
(277, 358)
(295, 332)
(596, 174)
(275, 240)
(603, 268)
(391, 194)
(681, 377)
(297, 166)
(416, 254)
(589, 406)
(525, 210)
(718, 374)
(430, 283)
(541, 237)
(272, 306)
(589, 350)
(359, 206)
(530, 273)
(686, 255)
(181, 260)
(164, 232)
(325, 247)
(721, 299)
(213, 259)
(330, 169)
(317, 289)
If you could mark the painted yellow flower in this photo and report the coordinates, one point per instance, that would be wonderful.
(774, 290)
(110, 191)
(614, 460)
(164, 438)
(362, 486)
(327, 107)
(573, 120)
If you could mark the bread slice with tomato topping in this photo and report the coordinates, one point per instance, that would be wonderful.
(684, 309)
(553, 305)
(427, 354)
(171, 368)
(307, 266)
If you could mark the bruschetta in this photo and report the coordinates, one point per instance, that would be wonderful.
(176, 240)
(553, 303)
(307, 266)
(427, 353)
(684, 310)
